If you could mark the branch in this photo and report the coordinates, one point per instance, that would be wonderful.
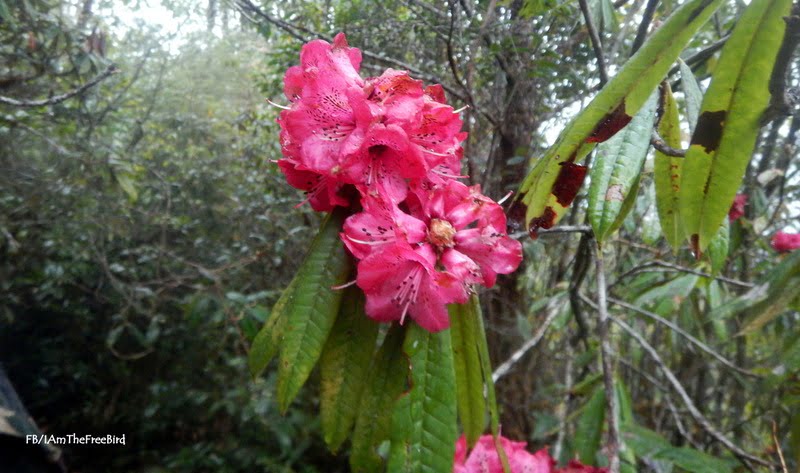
(612, 409)
(554, 230)
(290, 29)
(698, 416)
(681, 269)
(598, 48)
(644, 26)
(506, 366)
(662, 147)
(685, 334)
(783, 100)
(112, 69)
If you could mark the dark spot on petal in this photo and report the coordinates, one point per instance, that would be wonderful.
(547, 220)
(568, 182)
(609, 125)
(708, 131)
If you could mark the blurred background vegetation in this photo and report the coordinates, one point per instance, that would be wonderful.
(145, 233)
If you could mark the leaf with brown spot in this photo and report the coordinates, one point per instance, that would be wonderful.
(616, 169)
(622, 97)
(667, 172)
(728, 126)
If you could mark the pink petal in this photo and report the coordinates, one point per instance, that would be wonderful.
(784, 242)
(461, 266)
(494, 252)
(378, 225)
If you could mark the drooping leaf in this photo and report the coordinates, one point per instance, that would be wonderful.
(486, 370)
(718, 247)
(385, 383)
(469, 378)
(268, 339)
(729, 120)
(667, 171)
(312, 308)
(692, 94)
(768, 299)
(552, 184)
(344, 365)
(424, 421)
(589, 431)
(616, 169)
(693, 460)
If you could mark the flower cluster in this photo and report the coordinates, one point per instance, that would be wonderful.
(484, 459)
(390, 149)
(737, 208)
(784, 242)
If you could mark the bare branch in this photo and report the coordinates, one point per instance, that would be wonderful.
(644, 26)
(112, 69)
(596, 45)
(506, 366)
(612, 409)
(662, 147)
(698, 416)
(783, 100)
(684, 334)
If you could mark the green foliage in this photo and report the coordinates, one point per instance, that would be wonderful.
(667, 170)
(619, 100)
(616, 170)
(468, 374)
(344, 365)
(424, 428)
(312, 308)
(728, 123)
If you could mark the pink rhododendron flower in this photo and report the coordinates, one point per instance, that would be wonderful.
(784, 242)
(484, 459)
(400, 281)
(391, 147)
(737, 209)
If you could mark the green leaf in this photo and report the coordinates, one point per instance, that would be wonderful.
(424, 421)
(312, 308)
(550, 187)
(268, 339)
(728, 125)
(590, 427)
(616, 169)
(469, 379)
(768, 299)
(692, 94)
(344, 365)
(718, 247)
(491, 397)
(693, 460)
(667, 171)
(385, 383)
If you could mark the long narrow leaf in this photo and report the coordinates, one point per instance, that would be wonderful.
(344, 364)
(385, 383)
(554, 181)
(424, 422)
(667, 171)
(728, 125)
(267, 341)
(312, 308)
(469, 379)
(616, 168)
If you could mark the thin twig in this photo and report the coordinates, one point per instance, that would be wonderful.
(112, 69)
(781, 100)
(555, 230)
(292, 30)
(698, 416)
(596, 45)
(661, 146)
(778, 447)
(506, 366)
(681, 269)
(612, 409)
(685, 334)
(644, 26)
